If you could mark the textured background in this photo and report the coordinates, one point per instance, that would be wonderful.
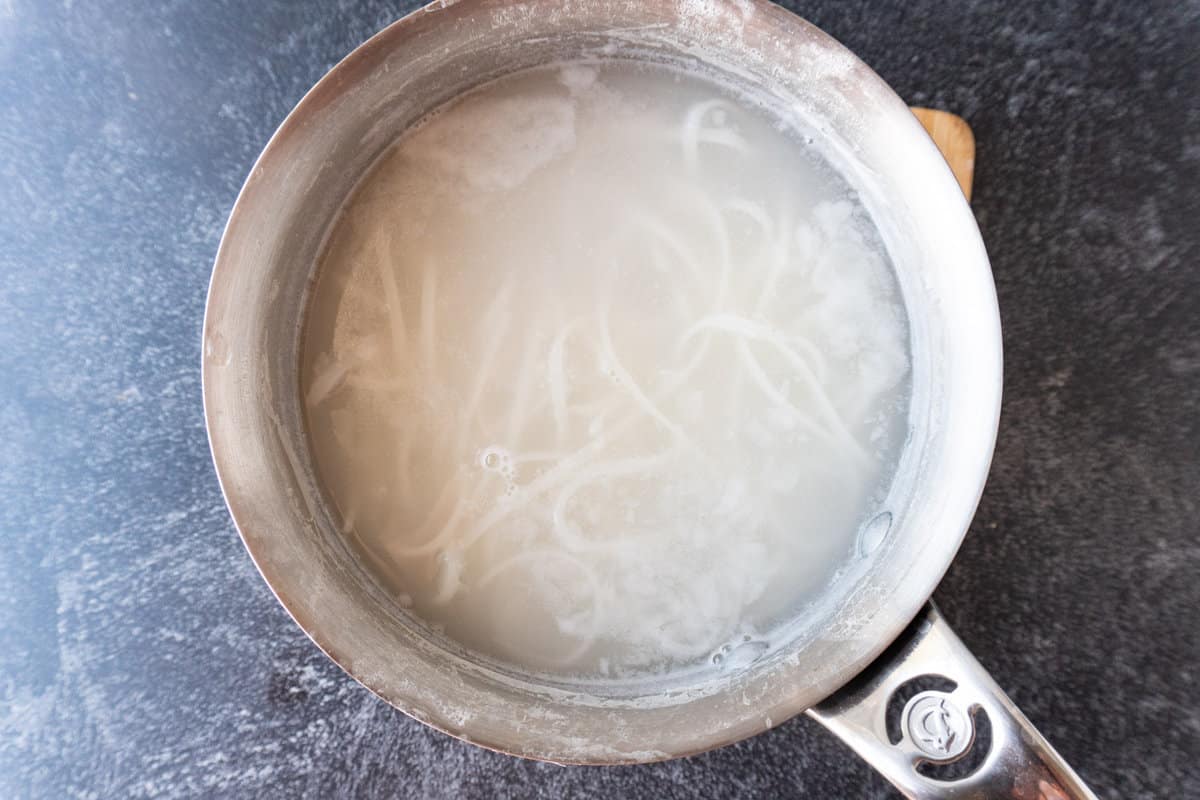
(142, 656)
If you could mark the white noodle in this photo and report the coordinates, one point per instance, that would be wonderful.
(551, 479)
(428, 312)
(557, 378)
(780, 251)
(449, 578)
(394, 308)
(558, 382)
(496, 321)
(347, 514)
(692, 133)
(811, 361)
(720, 232)
(651, 224)
(852, 448)
(589, 575)
(325, 382)
(755, 212)
(631, 385)
(518, 413)
(449, 494)
(564, 530)
(404, 465)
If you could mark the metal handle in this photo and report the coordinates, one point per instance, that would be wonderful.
(922, 739)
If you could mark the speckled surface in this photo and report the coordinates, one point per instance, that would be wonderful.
(142, 656)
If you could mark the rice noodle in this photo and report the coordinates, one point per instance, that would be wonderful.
(394, 308)
(326, 382)
(542, 557)
(630, 384)
(779, 251)
(605, 471)
(497, 318)
(557, 377)
(428, 313)
(693, 132)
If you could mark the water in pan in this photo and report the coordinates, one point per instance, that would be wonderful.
(604, 371)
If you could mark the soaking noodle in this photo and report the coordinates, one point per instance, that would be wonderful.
(604, 370)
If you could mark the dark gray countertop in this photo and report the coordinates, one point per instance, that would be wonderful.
(142, 656)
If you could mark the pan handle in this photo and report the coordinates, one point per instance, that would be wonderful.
(922, 714)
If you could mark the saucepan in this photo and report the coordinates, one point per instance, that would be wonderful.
(879, 666)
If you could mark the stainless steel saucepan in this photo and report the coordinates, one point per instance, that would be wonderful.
(878, 666)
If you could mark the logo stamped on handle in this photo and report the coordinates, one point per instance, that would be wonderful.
(937, 726)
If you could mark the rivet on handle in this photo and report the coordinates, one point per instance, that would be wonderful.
(937, 726)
